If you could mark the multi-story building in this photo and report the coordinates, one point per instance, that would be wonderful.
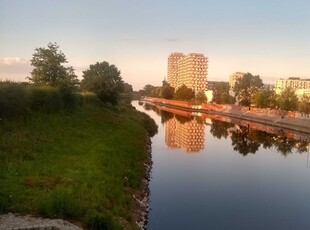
(234, 77)
(173, 68)
(301, 86)
(189, 70)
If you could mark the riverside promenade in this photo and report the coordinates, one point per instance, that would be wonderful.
(283, 119)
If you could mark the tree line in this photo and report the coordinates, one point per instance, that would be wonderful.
(101, 78)
(248, 91)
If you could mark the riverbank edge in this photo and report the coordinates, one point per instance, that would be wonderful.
(142, 195)
(295, 124)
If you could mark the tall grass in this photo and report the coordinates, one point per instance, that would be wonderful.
(18, 99)
(79, 164)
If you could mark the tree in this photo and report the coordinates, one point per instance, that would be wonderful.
(184, 93)
(246, 87)
(265, 98)
(167, 91)
(49, 70)
(304, 104)
(221, 94)
(104, 80)
(201, 97)
(288, 100)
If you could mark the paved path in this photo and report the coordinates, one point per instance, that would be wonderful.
(15, 222)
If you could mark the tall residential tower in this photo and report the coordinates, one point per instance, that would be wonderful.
(189, 70)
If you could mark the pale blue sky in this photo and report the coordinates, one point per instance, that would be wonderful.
(270, 38)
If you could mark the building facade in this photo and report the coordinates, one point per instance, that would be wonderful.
(189, 70)
(301, 86)
(234, 77)
(173, 68)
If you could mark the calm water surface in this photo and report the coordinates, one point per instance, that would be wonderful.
(210, 174)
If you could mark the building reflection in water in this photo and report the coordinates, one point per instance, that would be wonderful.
(184, 132)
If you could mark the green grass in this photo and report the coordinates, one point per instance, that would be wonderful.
(78, 165)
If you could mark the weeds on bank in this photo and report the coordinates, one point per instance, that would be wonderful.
(70, 164)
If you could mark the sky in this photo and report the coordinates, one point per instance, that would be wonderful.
(270, 38)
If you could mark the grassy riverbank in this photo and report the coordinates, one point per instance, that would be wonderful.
(83, 165)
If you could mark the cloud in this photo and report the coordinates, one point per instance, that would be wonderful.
(14, 68)
(12, 61)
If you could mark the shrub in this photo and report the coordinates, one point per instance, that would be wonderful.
(46, 99)
(4, 202)
(14, 99)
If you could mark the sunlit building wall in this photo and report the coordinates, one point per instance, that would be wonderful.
(173, 68)
(234, 77)
(301, 86)
(192, 72)
(189, 70)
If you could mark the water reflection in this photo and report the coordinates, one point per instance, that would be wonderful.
(185, 131)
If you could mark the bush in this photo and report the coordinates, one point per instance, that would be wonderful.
(14, 99)
(149, 124)
(46, 99)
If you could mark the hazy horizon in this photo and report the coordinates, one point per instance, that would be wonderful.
(266, 38)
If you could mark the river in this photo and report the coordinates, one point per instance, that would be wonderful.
(212, 174)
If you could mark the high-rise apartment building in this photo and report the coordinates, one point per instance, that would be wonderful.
(301, 86)
(173, 68)
(189, 70)
(234, 77)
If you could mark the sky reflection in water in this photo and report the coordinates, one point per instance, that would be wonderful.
(210, 174)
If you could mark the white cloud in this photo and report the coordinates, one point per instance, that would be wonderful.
(14, 68)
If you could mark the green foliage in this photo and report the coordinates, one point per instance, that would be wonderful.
(49, 70)
(201, 97)
(304, 104)
(14, 99)
(98, 221)
(90, 158)
(288, 100)
(18, 100)
(4, 202)
(167, 91)
(104, 80)
(60, 204)
(246, 87)
(221, 94)
(46, 99)
(265, 98)
(184, 93)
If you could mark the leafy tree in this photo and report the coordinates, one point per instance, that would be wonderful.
(246, 87)
(288, 100)
(167, 91)
(104, 80)
(184, 93)
(265, 98)
(201, 97)
(304, 104)
(147, 90)
(221, 94)
(49, 70)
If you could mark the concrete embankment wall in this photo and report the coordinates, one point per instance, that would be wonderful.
(284, 119)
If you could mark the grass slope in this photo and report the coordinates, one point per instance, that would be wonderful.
(78, 165)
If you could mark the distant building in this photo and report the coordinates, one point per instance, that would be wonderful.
(234, 77)
(189, 70)
(301, 86)
(173, 68)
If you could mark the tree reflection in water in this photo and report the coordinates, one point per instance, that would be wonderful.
(244, 139)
